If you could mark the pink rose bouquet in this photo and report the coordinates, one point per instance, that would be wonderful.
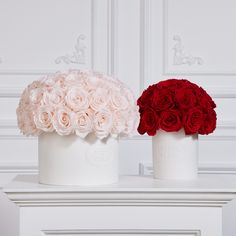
(78, 102)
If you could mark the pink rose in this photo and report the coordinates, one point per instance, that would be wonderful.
(36, 95)
(48, 81)
(119, 122)
(26, 122)
(43, 118)
(129, 96)
(83, 123)
(99, 99)
(24, 100)
(132, 122)
(77, 99)
(102, 123)
(92, 83)
(117, 101)
(22, 119)
(73, 79)
(34, 85)
(53, 97)
(62, 121)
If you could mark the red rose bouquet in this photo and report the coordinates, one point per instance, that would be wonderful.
(174, 104)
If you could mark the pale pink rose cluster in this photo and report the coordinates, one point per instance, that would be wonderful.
(79, 102)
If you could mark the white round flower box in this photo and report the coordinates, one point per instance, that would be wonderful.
(71, 160)
(175, 155)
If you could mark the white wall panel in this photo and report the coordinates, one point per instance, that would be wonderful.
(225, 109)
(199, 37)
(41, 36)
(127, 57)
(132, 153)
(27, 149)
(225, 150)
(8, 108)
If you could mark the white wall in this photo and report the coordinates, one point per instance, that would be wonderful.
(139, 41)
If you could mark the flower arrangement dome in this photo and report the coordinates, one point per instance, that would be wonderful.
(78, 102)
(173, 104)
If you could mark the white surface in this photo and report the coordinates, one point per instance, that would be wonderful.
(129, 183)
(175, 155)
(206, 191)
(70, 160)
(153, 205)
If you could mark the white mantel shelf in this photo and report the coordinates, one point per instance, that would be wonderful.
(208, 190)
(134, 205)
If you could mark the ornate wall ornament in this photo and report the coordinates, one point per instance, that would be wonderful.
(180, 57)
(78, 56)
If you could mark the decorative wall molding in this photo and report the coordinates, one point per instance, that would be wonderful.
(79, 54)
(13, 135)
(72, 58)
(112, 34)
(10, 92)
(169, 72)
(140, 232)
(106, 8)
(145, 42)
(10, 130)
(222, 92)
(10, 123)
(180, 57)
(222, 168)
(18, 168)
(226, 132)
(146, 168)
(104, 41)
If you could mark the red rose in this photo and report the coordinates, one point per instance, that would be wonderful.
(148, 122)
(205, 100)
(162, 100)
(146, 97)
(168, 83)
(209, 122)
(193, 120)
(170, 120)
(174, 84)
(185, 98)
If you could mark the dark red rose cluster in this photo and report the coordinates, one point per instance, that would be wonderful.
(174, 104)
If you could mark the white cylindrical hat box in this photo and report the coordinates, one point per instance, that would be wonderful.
(175, 155)
(71, 160)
